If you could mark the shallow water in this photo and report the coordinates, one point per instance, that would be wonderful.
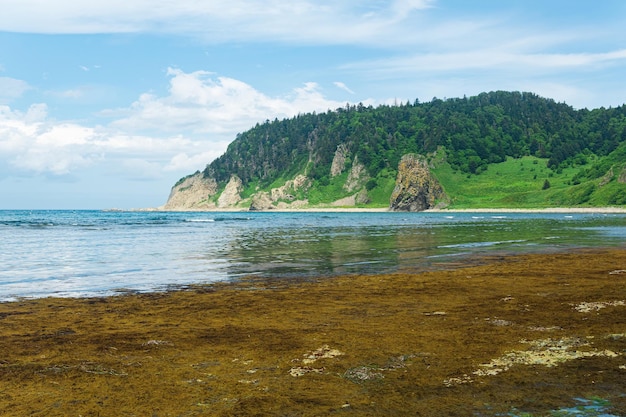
(594, 407)
(86, 253)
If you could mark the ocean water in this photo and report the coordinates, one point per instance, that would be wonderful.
(95, 253)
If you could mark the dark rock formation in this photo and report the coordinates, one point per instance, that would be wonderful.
(416, 188)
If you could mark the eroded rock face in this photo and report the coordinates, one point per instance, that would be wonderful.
(193, 193)
(286, 192)
(622, 176)
(230, 196)
(261, 201)
(416, 188)
(357, 177)
(282, 197)
(339, 160)
(607, 178)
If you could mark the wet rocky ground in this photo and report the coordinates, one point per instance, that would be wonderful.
(521, 335)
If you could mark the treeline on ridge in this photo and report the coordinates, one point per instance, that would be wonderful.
(475, 132)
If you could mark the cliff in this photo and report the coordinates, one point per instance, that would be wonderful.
(416, 187)
(231, 195)
(192, 193)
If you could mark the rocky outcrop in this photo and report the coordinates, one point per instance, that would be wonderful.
(287, 191)
(283, 197)
(357, 177)
(231, 194)
(606, 178)
(352, 200)
(361, 197)
(261, 201)
(610, 175)
(416, 188)
(198, 193)
(192, 193)
(294, 205)
(349, 201)
(339, 160)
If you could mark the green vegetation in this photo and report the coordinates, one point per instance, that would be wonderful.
(498, 149)
(385, 183)
(515, 183)
(527, 182)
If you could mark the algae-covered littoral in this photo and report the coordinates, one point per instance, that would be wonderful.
(523, 335)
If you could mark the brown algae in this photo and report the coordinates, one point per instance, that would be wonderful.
(529, 333)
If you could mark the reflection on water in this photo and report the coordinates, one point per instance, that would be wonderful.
(391, 241)
(91, 252)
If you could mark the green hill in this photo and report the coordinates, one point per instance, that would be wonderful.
(498, 149)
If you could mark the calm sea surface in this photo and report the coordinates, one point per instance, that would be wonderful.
(87, 253)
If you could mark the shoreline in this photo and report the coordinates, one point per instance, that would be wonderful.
(521, 333)
(590, 210)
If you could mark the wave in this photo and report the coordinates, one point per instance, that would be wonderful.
(21, 223)
(480, 244)
(232, 219)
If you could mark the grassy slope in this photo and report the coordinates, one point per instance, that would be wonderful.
(518, 183)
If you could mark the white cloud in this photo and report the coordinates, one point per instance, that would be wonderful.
(179, 132)
(36, 113)
(69, 94)
(574, 60)
(203, 103)
(324, 21)
(11, 88)
(493, 59)
(343, 87)
(563, 76)
(404, 7)
(33, 143)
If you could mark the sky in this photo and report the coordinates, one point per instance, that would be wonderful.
(106, 104)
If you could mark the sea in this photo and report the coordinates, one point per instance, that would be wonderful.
(66, 253)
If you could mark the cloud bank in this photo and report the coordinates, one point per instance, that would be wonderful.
(203, 103)
(180, 131)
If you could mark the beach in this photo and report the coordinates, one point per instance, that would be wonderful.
(502, 334)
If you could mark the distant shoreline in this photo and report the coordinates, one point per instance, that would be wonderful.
(589, 210)
(608, 210)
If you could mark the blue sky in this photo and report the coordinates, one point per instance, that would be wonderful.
(107, 104)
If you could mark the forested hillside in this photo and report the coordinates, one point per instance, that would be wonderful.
(472, 132)
(475, 131)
